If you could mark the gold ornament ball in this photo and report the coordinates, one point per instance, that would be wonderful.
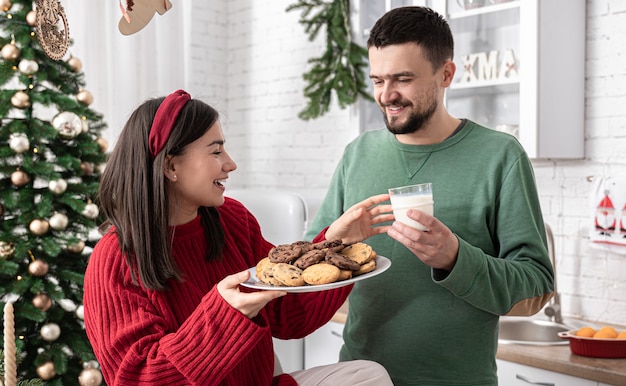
(5, 5)
(38, 268)
(39, 227)
(42, 302)
(87, 168)
(31, 18)
(10, 52)
(46, 371)
(102, 144)
(90, 377)
(76, 248)
(20, 99)
(84, 97)
(20, 178)
(75, 64)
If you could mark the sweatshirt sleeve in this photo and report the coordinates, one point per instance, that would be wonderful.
(137, 342)
(519, 281)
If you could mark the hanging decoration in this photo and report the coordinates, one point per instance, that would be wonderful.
(138, 13)
(53, 32)
(340, 71)
(67, 124)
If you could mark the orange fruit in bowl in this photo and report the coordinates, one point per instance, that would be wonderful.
(586, 332)
(622, 335)
(606, 332)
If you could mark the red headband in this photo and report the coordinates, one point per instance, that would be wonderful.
(164, 120)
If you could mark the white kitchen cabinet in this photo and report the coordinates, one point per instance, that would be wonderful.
(515, 374)
(521, 67)
(322, 347)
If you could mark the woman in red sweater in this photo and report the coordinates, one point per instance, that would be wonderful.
(162, 298)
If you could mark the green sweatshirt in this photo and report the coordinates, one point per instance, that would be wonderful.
(428, 326)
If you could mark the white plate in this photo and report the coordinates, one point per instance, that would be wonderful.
(382, 264)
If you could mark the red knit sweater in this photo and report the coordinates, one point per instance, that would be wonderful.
(188, 335)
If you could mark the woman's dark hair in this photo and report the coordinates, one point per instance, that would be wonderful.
(134, 198)
(419, 25)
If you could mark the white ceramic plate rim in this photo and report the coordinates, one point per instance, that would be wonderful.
(382, 264)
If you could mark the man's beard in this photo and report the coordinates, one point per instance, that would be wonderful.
(414, 122)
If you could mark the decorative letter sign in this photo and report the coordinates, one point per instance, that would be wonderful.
(483, 67)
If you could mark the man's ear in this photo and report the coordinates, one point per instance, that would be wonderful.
(449, 68)
(168, 168)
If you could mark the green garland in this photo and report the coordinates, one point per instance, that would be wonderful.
(341, 67)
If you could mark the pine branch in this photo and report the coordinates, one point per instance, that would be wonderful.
(340, 70)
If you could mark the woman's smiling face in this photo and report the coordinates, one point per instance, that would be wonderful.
(197, 175)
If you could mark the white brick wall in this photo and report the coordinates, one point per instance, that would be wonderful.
(591, 282)
(267, 55)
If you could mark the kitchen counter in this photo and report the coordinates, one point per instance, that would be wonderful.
(553, 358)
(561, 360)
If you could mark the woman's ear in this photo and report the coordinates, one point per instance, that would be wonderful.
(168, 168)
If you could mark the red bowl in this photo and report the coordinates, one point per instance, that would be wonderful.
(595, 347)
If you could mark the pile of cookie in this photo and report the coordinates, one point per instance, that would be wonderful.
(305, 263)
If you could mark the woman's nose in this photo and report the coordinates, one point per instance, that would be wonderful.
(230, 164)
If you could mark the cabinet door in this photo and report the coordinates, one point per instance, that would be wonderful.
(322, 347)
(520, 69)
(514, 374)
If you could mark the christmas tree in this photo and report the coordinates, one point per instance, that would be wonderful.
(51, 154)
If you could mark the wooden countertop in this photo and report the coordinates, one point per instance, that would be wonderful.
(553, 358)
(561, 360)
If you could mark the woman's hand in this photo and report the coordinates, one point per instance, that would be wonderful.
(359, 222)
(248, 303)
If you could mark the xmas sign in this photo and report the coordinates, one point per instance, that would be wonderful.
(489, 66)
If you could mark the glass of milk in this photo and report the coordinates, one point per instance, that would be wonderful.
(418, 197)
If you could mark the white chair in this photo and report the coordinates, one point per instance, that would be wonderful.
(283, 219)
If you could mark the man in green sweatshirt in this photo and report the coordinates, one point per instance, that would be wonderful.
(432, 318)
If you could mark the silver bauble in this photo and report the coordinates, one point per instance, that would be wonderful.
(91, 211)
(28, 67)
(68, 124)
(57, 186)
(20, 99)
(18, 142)
(80, 312)
(39, 227)
(50, 332)
(58, 221)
